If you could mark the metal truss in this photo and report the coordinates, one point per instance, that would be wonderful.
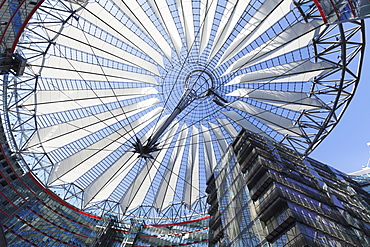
(339, 47)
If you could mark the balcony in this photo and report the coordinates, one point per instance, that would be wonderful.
(246, 160)
(314, 193)
(279, 226)
(213, 209)
(215, 221)
(212, 198)
(216, 236)
(243, 151)
(260, 166)
(269, 198)
(13, 63)
(255, 190)
(334, 231)
(302, 240)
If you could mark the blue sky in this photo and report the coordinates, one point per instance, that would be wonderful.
(346, 147)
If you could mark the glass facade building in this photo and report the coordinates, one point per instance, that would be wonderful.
(32, 215)
(263, 194)
(362, 177)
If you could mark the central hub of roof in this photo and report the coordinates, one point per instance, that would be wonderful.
(199, 82)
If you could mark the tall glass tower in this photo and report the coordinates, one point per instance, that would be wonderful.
(362, 177)
(263, 194)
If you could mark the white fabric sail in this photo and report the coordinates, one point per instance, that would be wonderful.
(131, 104)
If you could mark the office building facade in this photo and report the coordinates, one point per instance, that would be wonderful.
(32, 215)
(362, 177)
(263, 194)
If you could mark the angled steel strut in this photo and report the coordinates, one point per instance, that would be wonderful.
(198, 84)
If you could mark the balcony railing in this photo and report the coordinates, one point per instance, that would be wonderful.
(268, 199)
(279, 225)
(337, 231)
(260, 186)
